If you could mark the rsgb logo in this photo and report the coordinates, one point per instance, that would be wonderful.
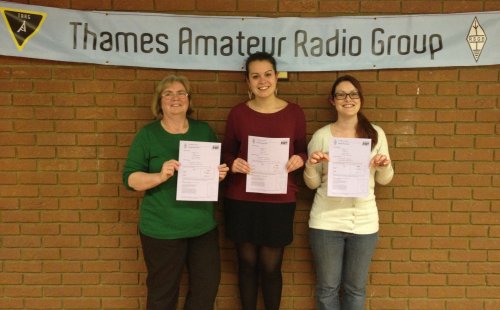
(476, 39)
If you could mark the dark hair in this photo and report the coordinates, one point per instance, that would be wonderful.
(260, 56)
(364, 128)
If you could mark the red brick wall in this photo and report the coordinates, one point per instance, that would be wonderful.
(68, 228)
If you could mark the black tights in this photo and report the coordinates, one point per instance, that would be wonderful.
(262, 262)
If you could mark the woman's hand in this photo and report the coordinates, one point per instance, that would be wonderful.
(168, 169)
(316, 157)
(240, 166)
(294, 163)
(223, 169)
(380, 160)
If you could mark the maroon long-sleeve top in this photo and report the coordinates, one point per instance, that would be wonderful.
(243, 122)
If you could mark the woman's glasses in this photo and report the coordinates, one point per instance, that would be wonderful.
(343, 96)
(171, 95)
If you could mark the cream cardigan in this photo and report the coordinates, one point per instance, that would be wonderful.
(351, 215)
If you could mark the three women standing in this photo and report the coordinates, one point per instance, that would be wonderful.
(343, 231)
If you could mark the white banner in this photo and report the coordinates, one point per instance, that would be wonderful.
(222, 43)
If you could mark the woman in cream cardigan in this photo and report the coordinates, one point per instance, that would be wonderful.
(344, 231)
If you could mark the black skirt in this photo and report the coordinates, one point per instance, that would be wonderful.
(260, 223)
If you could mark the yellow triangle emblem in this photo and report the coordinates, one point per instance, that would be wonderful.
(22, 24)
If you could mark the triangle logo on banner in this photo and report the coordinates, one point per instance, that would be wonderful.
(22, 24)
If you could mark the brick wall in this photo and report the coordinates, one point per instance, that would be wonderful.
(68, 228)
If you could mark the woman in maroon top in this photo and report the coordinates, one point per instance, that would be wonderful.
(261, 225)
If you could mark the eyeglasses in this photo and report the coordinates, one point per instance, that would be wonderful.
(170, 95)
(343, 96)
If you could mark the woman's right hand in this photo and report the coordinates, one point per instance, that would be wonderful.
(316, 157)
(168, 169)
(240, 166)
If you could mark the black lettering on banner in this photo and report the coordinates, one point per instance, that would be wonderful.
(383, 45)
(209, 41)
(210, 45)
(146, 39)
(85, 38)
(439, 43)
(300, 42)
(251, 43)
(125, 38)
(185, 35)
(88, 33)
(353, 45)
(75, 33)
(107, 42)
(227, 48)
(161, 39)
(240, 38)
(338, 42)
(333, 46)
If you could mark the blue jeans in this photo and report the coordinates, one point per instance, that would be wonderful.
(342, 261)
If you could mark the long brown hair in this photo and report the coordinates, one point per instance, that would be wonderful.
(364, 128)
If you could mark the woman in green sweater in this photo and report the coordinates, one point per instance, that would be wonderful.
(173, 233)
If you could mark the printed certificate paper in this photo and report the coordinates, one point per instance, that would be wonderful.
(198, 175)
(349, 167)
(267, 158)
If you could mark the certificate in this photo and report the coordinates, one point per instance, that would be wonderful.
(349, 167)
(267, 158)
(198, 175)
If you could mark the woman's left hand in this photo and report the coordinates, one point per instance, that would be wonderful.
(294, 163)
(223, 169)
(380, 160)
